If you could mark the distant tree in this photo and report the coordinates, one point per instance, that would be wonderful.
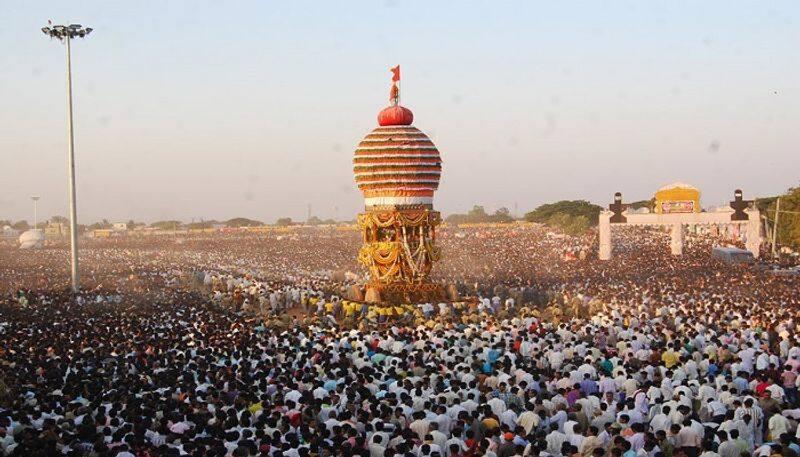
(764, 204)
(579, 225)
(59, 220)
(788, 223)
(501, 215)
(574, 208)
(102, 225)
(456, 219)
(649, 204)
(478, 214)
(284, 222)
(314, 220)
(201, 225)
(5, 222)
(21, 225)
(166, 225)
(571, 225)
(243, 222)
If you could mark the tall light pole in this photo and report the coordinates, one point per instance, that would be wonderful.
(65, 34)
(35, 212)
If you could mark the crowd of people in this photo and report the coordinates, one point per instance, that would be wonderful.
(245, 345)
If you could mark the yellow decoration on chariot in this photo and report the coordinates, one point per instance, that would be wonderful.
(399, 245)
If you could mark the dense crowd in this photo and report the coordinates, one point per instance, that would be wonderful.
(245, 345)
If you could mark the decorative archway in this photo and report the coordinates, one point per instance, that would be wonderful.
(742, 215)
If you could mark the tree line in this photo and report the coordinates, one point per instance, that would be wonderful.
(571, 216)
(788, 233)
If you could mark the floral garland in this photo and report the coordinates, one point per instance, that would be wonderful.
(398, 219)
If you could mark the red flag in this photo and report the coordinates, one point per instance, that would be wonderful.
(396, 73)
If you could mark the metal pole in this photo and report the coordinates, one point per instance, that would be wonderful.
(775, 228)
(73, 217)
(35, 212)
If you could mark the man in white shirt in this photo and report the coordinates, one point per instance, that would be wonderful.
(661, 421)
(420, 425)
(528, 420)
(376, 447)
(555, 440)
(778, 425)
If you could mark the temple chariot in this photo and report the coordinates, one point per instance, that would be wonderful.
(397, 169)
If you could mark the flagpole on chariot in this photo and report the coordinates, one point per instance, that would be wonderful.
(395, 85)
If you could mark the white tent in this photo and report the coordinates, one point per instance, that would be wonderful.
(31, 239)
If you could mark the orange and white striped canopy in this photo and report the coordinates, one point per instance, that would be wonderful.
(397, 165)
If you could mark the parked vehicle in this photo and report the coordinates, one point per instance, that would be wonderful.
(732, 255)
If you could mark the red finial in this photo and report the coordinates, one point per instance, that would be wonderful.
(395, 115)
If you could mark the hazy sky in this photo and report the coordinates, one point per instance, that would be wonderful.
(212, 109)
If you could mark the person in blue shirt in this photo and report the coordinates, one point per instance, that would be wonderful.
(589, 385)
(627, 449)
(740, 383)
(493, 355)
(330, 385)
(607, 366)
